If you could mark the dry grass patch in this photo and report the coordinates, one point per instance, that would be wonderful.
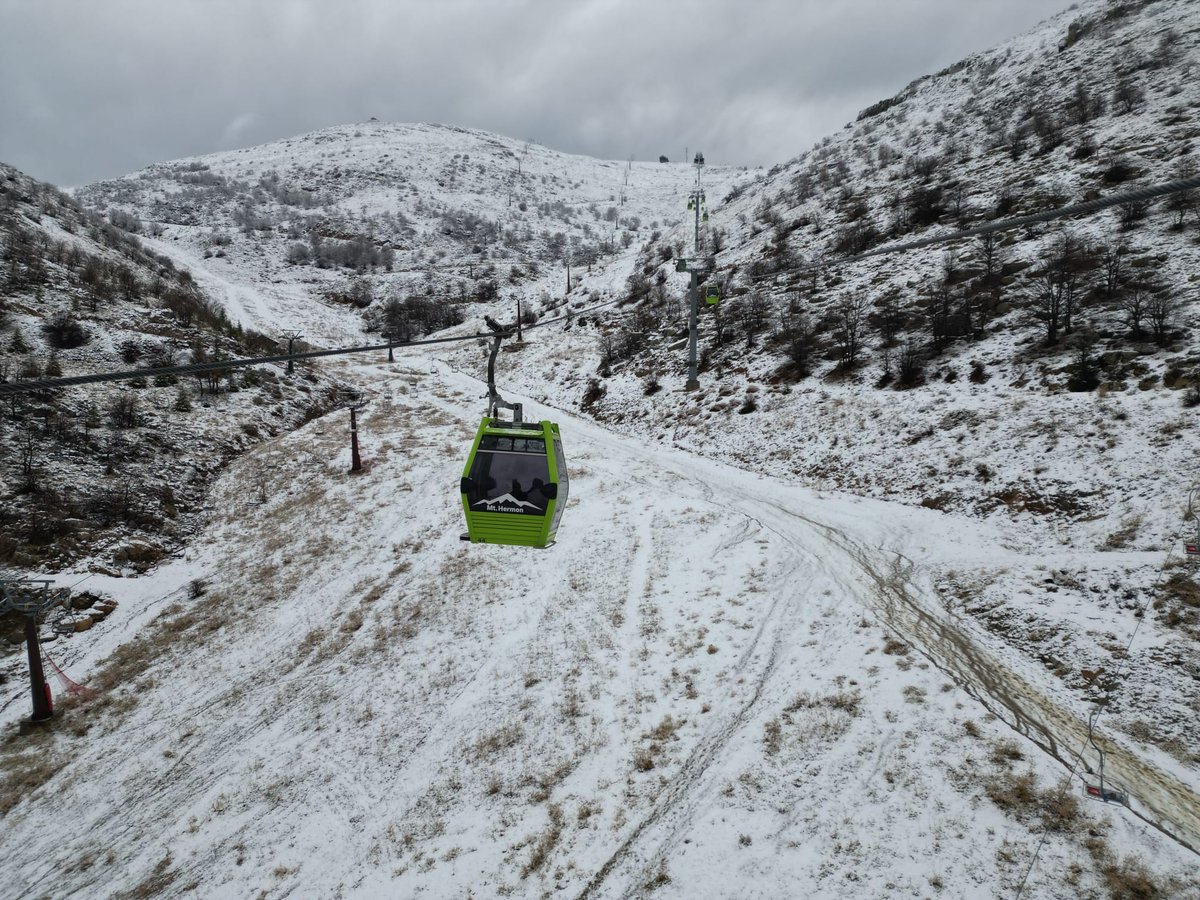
(153, 885)
(1129, 879)
(545, 844)
(1178, 602)
(26, 771)
(773, 737)
(501, 739)
(845, 701)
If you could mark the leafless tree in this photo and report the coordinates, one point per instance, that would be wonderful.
(1083, 106)
(720, 325)
(124, 412)
(1161, 308)
(1112, 266)
(1183, 202)
(1048, 302)
(27, 448)
(849, 315)
(796, 336)
(1127, 95)
(911, 365)
(939, 307)
(888, 319)
(754, 312)
(1059, 288)
(1135, 301)
(1133, 211)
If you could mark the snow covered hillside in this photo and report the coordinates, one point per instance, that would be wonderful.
(342, 222)
(954, 399)
(713, 685)
(114, 474)
(831, 626)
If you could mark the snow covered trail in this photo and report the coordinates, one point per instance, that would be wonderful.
(255, 301)
(685, 694)
(878, 551)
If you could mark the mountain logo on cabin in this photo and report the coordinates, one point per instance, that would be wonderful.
(506, 503)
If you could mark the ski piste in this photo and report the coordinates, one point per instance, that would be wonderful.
(518, 688)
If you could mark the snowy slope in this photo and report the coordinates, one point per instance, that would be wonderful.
(753, 665)
(694, 692)
(1094, 483)
(448, 208)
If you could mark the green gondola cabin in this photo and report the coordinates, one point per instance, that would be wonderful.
(514, 485)
(712, 296)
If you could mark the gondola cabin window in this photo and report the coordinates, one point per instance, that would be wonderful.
(510, 474)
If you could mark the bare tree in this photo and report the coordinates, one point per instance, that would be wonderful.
(991, 254)
(1127, 95)
(1135, 302)
(1048, 302)
(124, 413)
(754, 310)
(849, 314)
(720, 324)
(1058, 290)
(1183, 202)
(796, 336)
(1133, 211)
(27, 447)
(1112, 265)
(1083, 106)
(939, 307)
(911, 365)
(888, 319)
(1161, 308)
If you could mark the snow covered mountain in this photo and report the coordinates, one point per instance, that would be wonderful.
(113, 475)
(341, 221)
(833, 625)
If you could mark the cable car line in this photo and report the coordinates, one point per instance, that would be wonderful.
(1094, 717)
(1140, 194)
(1073, 209)
(49, 384)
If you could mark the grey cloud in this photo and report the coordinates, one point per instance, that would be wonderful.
(94, 90)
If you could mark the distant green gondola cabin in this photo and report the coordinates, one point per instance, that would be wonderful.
(514, 485)
(712, 296)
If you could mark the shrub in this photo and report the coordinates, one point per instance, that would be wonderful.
(911, 367)
(1129, 880)
(64, 331)
(1119, 170)
(594, 391)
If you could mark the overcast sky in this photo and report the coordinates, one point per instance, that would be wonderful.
(90, 89)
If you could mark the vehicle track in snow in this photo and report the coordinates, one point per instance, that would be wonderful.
(887, 588)
(653, 837)
(1159, 798)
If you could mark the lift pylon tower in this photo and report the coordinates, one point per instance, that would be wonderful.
(699, 270)
(31, 597)
(354, 401)
(1191, 548)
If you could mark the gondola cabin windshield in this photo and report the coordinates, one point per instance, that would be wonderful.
(510, 475)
